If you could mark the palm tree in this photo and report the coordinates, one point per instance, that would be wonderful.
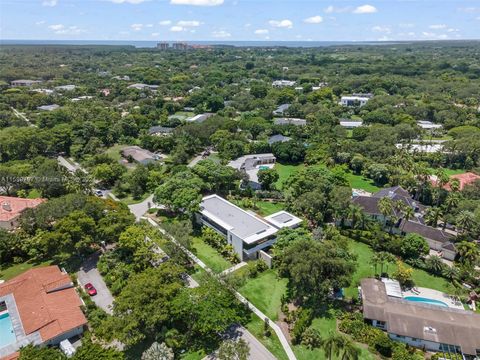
(455, 185)
(385, 205)
(465, 220)
(435, 264)
(350, 351)
(330, 345)
(375, 260)
(432, 216)
(408, 213)
(468, 251)
(340, 346)
(354, 213)
(451, 273)
(451, 202)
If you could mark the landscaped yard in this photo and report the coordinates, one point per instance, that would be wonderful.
(209, 255)
(266, 208)
(17, 269)
(359, 182)
(265, 292)
(129, 200)
(284, 172)
(256, 326)
(114, 151)
(366, 269)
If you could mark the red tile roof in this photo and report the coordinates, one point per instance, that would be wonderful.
(464, 179)
(46, 300)
(11, 207)
(13, 356)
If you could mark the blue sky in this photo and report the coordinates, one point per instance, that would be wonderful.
(289, 20)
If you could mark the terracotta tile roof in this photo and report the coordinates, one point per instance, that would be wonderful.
(46, 300)
(13, 356)
(11, 207)
(463, 179)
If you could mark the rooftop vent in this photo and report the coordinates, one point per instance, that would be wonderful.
(6, 206)
(429, 329)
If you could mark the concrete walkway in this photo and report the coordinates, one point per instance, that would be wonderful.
(141, 208)
(233, 268)
(240, 297)
(23, 117)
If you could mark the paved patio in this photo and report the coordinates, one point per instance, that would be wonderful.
(435, 295)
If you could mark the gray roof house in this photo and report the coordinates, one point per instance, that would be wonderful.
(199, 118)
(24, 83)
(48, 107)
(290, 121)
(432, 327)
(278, 138)
(280, 110)
(160, 130)
(248, 233)
(350, 124)
(140, 155)
(143, 87)
(251, 164)
(437, 239)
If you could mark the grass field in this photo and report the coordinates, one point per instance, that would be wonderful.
(359, 182)
(114, 151)
(17, 269)
(284, 171)
(210, 256)
(129, 200)
(366, 269)
(255, 326)
(266, 208)
(265, 292)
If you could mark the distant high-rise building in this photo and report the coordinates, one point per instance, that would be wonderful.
(180, 46)
(163, 45)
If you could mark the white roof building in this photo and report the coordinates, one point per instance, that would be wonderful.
(246, 232)
(251, 165)
(351, 124)
(199, 118)
(283, 83)
(355, 99)
(428, 125)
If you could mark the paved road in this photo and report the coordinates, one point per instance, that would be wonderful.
(69, 166)
(257, 350)
(141, 208)
(23, 117)
(89, 274)
(240, 297)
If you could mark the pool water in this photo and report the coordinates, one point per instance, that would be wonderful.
(7, 336)
(263, 167)
(426, 300)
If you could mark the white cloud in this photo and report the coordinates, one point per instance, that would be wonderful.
(406, 25)
(438, 26)
(71, 30)
(197, 2)
(433, 36)
(332, 9)
(382, 29)
(165, 22)
(317, 19)
(127, 1)
(384, 38)
(188, 23)
(136, 27)
(149, 25)
(49, 2)
(155, 34)
(281, 23)
(450, 30)
(56, 27)
(261, 32)
(365, 9)
(41, 22)
(221, 34)
(477, 18)
(177, 28)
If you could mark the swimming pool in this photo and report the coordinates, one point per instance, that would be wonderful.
(263, 167)
(425, 300)
(7, 336)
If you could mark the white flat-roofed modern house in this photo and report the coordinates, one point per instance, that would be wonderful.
(355, 99)
(247, 233)
(428, 125)
(350, 124)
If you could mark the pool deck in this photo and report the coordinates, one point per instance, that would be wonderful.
(22, 338)
(435, 295)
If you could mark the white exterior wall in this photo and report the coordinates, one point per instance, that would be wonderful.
(67, 335)
(237, 244)
(419, 343)
(449, 255)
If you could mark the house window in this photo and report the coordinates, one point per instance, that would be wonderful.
(381, 324)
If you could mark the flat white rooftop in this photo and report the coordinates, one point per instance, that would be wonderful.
(236, 220)
(283, 219)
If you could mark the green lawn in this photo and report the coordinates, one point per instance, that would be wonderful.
(265, 292)
(129, 200)
(325, 324)
(359, 182)
(34, 194)
(284, 171)
(256, 326)
(365, 269)
(17, 269)
(114, 151)
(193, 355)
(209, 255)
(266, 208)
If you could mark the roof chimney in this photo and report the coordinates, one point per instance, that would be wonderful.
(6, 206)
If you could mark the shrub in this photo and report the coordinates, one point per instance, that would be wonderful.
(304, 319)
(383, 344)
(311, 338)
